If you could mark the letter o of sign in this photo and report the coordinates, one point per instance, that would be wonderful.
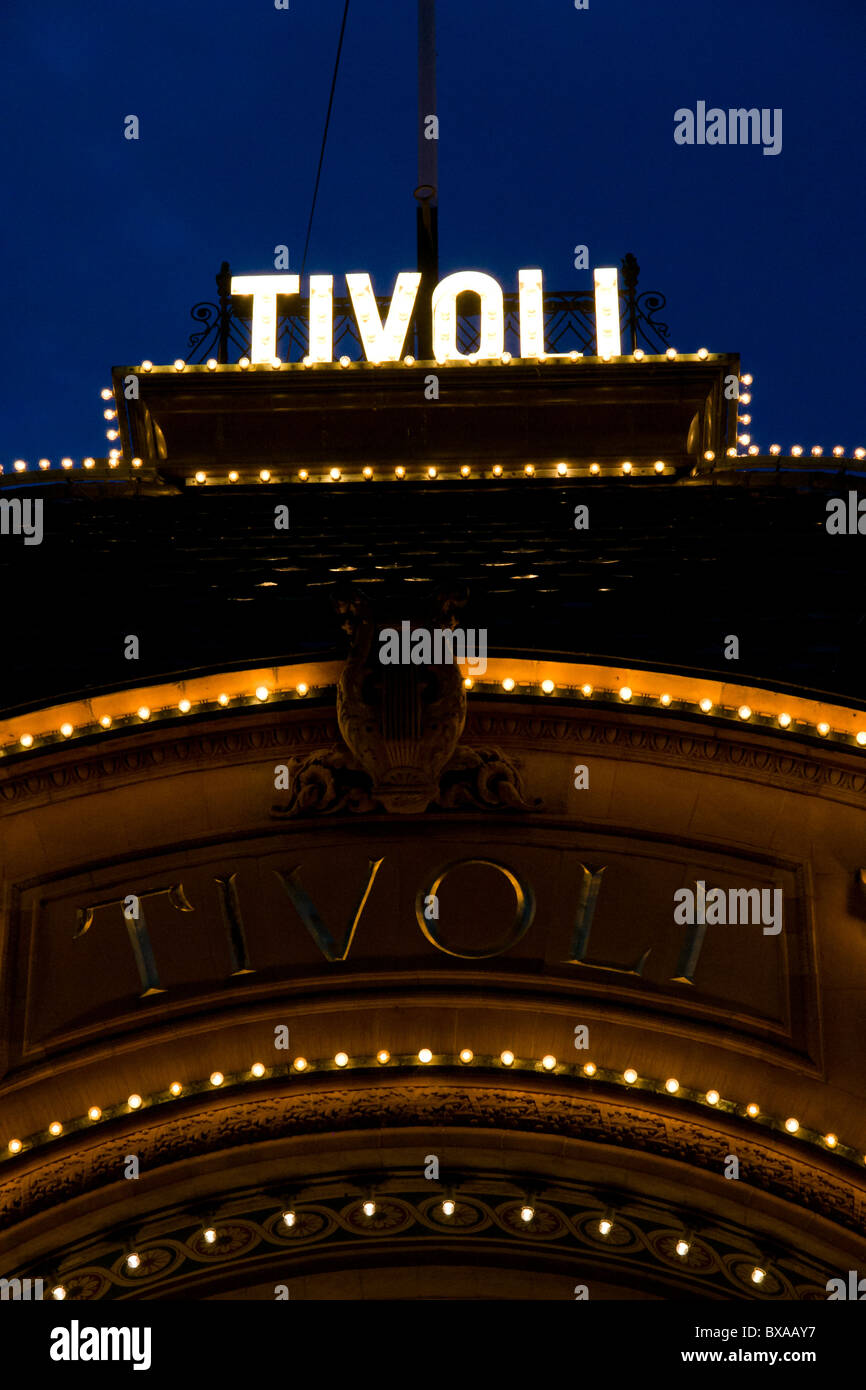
(523, 917)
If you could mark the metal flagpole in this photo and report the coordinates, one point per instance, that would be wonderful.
(427, 192)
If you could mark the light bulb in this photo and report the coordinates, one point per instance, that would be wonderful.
(233, 476)
(752, 1110)
(133, 1261)
(300, 1064)
(468, 683)
(664, 699)
(383, 1056)
(838, 451)
(179, 364)
(659, 466)
(548, 1062)
(134, 1102)
(66, 730)
(265, 475)
(262, 692)
(590, 1068)
(44, 463)
(709, 455)
(823, 729)
(744, 712)
(527, 1212)
(466, 1055)
(630, 1075)
(626, 468)
(184, 706)
(175, 1088)
(209, 1234)
(89, 463)
(276, 362)
(639, 354)
(55, 1128)
(335, 475)
(303, 475)
(257, 1069)
(216, 1078)
(497, 470)
(562, 469)
(703, 354)
(342, 1059)
(243, 363)
(212, 364)
(289, 1217)
(548, 687)
(143, 712)
(506, 1058)
(671, 354)
(586, 690)
(831, 1141)
(785, 720)
(147, 366)
(861, 737)
(425, 1055)
(594, 468)
(775, 448)
(508, 683)
(604, 1226)
(758, 1275)
(431, 472)
(682, 1248)
(529, 469)
(448, 1207)
(302, 688)
(223, 699)
(797, 450)
(400, 471)
(706, 705)
(792, 1126)
(712, 1097)
(26, 740)
(58, 1292)
(94, 1113)
(370, 1208)
(409, 360)
(344, 361)
(625, 693)
(672, 1085)
(15, 1146)
(465, 470)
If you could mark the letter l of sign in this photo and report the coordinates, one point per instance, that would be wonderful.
(587, 898)
(301, 900)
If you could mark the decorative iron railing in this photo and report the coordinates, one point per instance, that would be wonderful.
(569, 323)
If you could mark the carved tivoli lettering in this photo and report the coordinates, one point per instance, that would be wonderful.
(305, 906)
(136, 927)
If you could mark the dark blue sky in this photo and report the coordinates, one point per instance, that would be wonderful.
(556, 129)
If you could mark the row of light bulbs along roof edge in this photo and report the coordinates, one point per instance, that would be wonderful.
(263, 693)
(629, 1078)
(529, 470)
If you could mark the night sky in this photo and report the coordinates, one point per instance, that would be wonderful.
(556, 130)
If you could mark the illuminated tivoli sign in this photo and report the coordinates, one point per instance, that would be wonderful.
(384, 342)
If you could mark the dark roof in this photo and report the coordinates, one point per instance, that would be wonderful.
(664, 573)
